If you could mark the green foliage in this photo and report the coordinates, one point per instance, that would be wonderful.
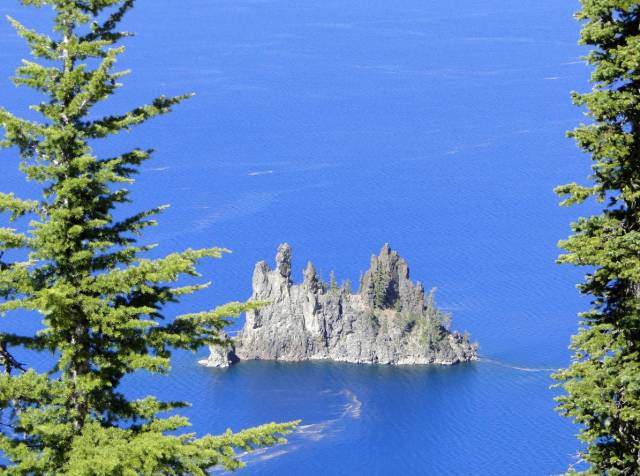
(380, 281)
(440, 318)
(384, 293)
(347, 286)
(83, 271)
(333, 282)
(602, 384)
(431, 331)
(427, 326)
(432, 325)
(409, 321)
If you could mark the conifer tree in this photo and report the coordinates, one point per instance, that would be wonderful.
(347, 287)
(333, 282)
(84, 272)
(602, 384)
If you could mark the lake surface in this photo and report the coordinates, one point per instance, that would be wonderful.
(337, 126)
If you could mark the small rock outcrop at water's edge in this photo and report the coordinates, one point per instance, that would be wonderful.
(220, 356)
(388, 321)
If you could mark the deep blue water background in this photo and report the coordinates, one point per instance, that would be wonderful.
(338, 126)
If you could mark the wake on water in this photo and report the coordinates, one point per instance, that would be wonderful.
(515, 367)
(352, 409)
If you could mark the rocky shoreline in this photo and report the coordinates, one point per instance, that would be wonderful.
(389, 320)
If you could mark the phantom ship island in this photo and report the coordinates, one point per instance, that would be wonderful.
(388, 321)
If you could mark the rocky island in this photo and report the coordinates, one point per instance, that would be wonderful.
(388, 321)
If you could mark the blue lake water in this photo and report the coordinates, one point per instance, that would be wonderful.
(437, 126)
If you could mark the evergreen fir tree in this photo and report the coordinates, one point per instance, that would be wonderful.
(602, 384)
(83, 271)
(347, 287)
(333, 282)
(381, 281)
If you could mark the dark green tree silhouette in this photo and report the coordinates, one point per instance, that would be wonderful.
(602, 384)
(83, 271)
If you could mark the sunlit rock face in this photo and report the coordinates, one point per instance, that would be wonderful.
(388, 321)
(220, 356)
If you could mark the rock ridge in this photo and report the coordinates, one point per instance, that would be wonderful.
(389, 320)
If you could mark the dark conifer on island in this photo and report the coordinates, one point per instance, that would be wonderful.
(84, 272)
(602, 384)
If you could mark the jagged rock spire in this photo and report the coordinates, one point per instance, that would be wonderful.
(283, 260)
(310, 272)
(311, 280)
(386, 285)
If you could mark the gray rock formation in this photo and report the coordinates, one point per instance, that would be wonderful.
(388, 321)
(220, 356)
